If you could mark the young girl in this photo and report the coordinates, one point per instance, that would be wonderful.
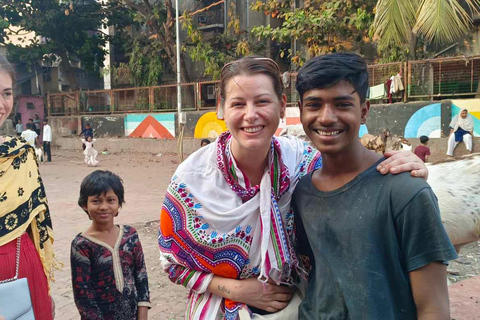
(109, 276)
(89, 152)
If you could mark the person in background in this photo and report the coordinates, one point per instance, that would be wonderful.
(47, 139)
(24, 212)
(422, 151)
(37, 122)
(19, 127)
(30, 135)
(87, 132)
(30, 120)
(461, 129)
(204, 142)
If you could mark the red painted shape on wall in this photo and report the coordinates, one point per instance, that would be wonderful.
(151, 128)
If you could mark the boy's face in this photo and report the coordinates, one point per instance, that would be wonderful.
(331, 117)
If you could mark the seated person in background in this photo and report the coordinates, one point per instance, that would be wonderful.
(422, 151)
(461, 129)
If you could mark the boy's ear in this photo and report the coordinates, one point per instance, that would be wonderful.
(364, 112)
(300, 106)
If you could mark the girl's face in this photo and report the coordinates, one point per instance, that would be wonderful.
(103, 208)
(252, 111)
(89, 139)
(464, 114)
(6, 96)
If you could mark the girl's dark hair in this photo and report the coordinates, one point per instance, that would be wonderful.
(99, 182)
(249, 66)
(328, 70)
(6, 66)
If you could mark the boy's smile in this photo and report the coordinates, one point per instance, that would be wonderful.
(331, 117)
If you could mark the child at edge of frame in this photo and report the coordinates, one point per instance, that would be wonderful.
(377, 244)
(109, 276)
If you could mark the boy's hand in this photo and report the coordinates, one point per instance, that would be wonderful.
(403, 161)
(269, 297)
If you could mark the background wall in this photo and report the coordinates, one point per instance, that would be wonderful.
(410, 120)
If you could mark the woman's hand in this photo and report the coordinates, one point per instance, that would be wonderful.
(252, 292)
(269, 297)
(403, 161)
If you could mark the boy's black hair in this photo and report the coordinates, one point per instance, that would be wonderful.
(87, 125)
(328, 70)
(99, 182)
(423, 139)
(45, 120)
(205, 141)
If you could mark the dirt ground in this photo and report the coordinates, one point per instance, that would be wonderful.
(145, 178)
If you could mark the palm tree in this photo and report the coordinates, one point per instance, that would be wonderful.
(400, 22)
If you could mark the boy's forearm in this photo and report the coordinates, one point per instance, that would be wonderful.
(435, 315)
(142, 313)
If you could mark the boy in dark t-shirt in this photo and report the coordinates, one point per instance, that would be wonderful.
(376, 244)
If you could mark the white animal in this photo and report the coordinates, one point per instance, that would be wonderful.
(456, 184)
(39, 154)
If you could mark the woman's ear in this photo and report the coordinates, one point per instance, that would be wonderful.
(283, 106)
(220, 112)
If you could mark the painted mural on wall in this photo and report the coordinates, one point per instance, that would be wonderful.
(473, 107)
(208, 126)
(159, 126)
(425, 122)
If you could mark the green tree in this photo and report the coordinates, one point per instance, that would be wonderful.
(403, 23)
(322, 26)
(68, 30)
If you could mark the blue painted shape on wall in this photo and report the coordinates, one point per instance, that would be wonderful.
(476, 123)
(363, 130)
(424, 121)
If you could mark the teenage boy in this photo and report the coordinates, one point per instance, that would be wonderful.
(422, 151)
(47, 139)
(376, 243)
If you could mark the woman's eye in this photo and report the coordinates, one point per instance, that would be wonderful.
(263, 101)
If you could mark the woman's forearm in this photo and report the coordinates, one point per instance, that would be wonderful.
(225, 287)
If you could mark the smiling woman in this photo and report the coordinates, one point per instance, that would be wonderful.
(24, 214)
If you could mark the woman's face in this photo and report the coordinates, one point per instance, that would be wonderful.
(252, 111)
(6, 96)
(464, 114)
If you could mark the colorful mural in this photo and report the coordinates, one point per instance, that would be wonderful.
(425, 122)
(159, 126)
(208, 126)
(473, 107)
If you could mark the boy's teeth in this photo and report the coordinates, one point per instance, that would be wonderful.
(328, 133)
(252, 130)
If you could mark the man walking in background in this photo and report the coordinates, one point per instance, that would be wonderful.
(47, 140)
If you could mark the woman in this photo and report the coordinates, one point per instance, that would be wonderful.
(226, 229)
(23, 210)
(461, 129)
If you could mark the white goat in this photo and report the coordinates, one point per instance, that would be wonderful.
(456, 184)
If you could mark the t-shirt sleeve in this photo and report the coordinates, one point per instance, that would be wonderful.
(427, 152)
(302, 245)
(421, 234)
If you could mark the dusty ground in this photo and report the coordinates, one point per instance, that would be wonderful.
(146, 178)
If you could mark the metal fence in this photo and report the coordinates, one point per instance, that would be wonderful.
(424, 79)
(443, 78)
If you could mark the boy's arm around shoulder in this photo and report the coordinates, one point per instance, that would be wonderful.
(430, 292)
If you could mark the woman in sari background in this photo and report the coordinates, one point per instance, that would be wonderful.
(226, 227)
(461, 129)
(24, 210)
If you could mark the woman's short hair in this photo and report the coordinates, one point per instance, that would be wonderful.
(7, 67)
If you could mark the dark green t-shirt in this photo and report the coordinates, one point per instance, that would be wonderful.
(363, 239)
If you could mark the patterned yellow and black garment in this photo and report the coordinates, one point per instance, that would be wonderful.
(22, 200)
